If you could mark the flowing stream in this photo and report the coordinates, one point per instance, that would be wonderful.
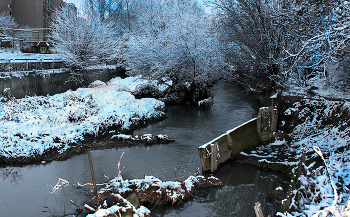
(25, 191)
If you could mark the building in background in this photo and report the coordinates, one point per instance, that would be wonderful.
(33, 18)
(35, 14)
(5, 6)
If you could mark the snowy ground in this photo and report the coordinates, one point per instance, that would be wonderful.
(323, 121)
(318, 87)
(31, 125)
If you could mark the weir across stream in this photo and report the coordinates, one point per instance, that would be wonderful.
(250, 134)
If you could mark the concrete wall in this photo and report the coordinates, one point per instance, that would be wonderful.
(228, 145)
(248, 135)
(243, 137)
(28, 13)
(35, 84)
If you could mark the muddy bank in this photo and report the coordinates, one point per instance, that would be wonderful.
(264, 164)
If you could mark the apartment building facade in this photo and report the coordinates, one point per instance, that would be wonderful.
(36, 14)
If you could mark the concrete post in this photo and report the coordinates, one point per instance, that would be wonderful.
(214, 158)
(267, 121)
(264, 124)
(258, 210)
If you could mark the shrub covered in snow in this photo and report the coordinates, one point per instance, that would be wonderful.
(83, 41)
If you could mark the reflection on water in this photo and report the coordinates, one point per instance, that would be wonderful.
(12, 174)
(27, 192)
(243, 185)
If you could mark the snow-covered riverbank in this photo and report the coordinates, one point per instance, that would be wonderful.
(323, 124)
(308, 121)
(33, 125)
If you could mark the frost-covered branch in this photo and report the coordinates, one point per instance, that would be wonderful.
(59, 186)
(329, 43)
(120, 170)
(319, 152)
(176, 39)
(7, 24)
(83, 39)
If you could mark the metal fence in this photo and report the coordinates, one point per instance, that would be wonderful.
(9, 65)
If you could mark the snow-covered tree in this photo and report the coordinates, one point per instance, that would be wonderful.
(174, 38)
(121, 12)
(107, 8)
(323, 43)
(24, 33)
(253, 40)
(7, 24)
(83, 39)
(269, 40)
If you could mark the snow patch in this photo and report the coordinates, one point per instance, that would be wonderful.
(31, 125)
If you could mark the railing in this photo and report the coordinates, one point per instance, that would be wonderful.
(9, 65)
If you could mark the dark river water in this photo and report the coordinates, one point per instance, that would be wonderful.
(25, 191)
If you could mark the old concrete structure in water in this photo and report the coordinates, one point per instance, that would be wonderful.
(253, 133)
